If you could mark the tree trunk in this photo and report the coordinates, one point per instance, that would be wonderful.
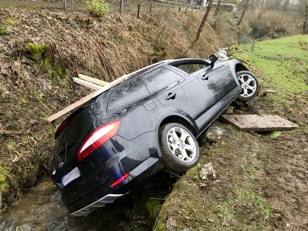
(305, 28)
(121, 6)
(64, 4)
(242, 16)
(207, 12)
(217, 8)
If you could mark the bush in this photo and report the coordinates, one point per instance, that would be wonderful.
(4, 30)
(97, 7)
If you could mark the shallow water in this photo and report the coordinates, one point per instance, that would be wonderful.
(45, 211)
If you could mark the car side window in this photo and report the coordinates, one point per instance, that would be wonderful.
(160, 78)
(191, 67)
(127, 92)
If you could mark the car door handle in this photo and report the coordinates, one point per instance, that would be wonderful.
(205, 77)
(170, 96)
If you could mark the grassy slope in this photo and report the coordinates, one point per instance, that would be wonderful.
(261, 183)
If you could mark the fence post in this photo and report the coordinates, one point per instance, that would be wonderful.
(138, 13)
(151, 4)
(121, 5)
(64, 4)
(305, 26)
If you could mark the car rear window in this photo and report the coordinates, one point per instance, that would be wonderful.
(127, 92)
(160, 78)
(77, 127)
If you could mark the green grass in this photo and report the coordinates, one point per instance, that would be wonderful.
(283, 63)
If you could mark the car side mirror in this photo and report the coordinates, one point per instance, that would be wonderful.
(213, 59)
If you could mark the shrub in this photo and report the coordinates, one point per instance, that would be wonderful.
(97, 7)
(4, 30)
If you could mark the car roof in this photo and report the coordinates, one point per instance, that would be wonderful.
(171, 62)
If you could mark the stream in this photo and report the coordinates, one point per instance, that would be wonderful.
(42, 210)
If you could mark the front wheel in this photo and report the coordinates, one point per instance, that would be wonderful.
(179, 147)
(249, 84)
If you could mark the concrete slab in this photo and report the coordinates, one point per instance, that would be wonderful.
(260, 122)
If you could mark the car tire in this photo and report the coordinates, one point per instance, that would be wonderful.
(179, 147)
(249, 84)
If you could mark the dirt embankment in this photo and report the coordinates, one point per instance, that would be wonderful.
(41, 50)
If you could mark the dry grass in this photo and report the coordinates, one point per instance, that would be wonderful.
(290, 21)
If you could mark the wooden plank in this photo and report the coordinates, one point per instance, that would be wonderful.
(87, 84)
(98, 92)
(71, 107)
(93, 80)
(86, 99)
(260, 122)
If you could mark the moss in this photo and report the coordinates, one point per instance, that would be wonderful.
(36, 51)
(11, 22)
(4, 180)
(42, 53)
(160, 226)
(4, 30)
(152, 208)
(275, 134)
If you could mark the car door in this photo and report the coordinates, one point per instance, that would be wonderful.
(218, 81)
(177, 92)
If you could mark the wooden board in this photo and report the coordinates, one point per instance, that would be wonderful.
(71, 107)
(260, 122)
(93, 80)
(87, 84)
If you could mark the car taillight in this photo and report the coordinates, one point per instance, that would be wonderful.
(97, 138)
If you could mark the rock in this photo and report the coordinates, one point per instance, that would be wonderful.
(268, 91)
(171, 223)
(56, 226)
(229, 110)
(222, 54)
(207, 171)
(23, 227)
(215, 133)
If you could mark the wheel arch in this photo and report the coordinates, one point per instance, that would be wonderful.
(180, 120)
(240, 67)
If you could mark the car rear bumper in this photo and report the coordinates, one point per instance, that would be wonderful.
(106, 194)
(109, 198)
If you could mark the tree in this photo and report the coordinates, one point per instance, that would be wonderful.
(305, 27)
(207, 12)
(217, 8)
(245, 8)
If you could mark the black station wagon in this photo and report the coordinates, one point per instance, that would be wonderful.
(146, 123)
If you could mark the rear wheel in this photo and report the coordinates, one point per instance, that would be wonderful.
(249, 84)
(179, 147)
